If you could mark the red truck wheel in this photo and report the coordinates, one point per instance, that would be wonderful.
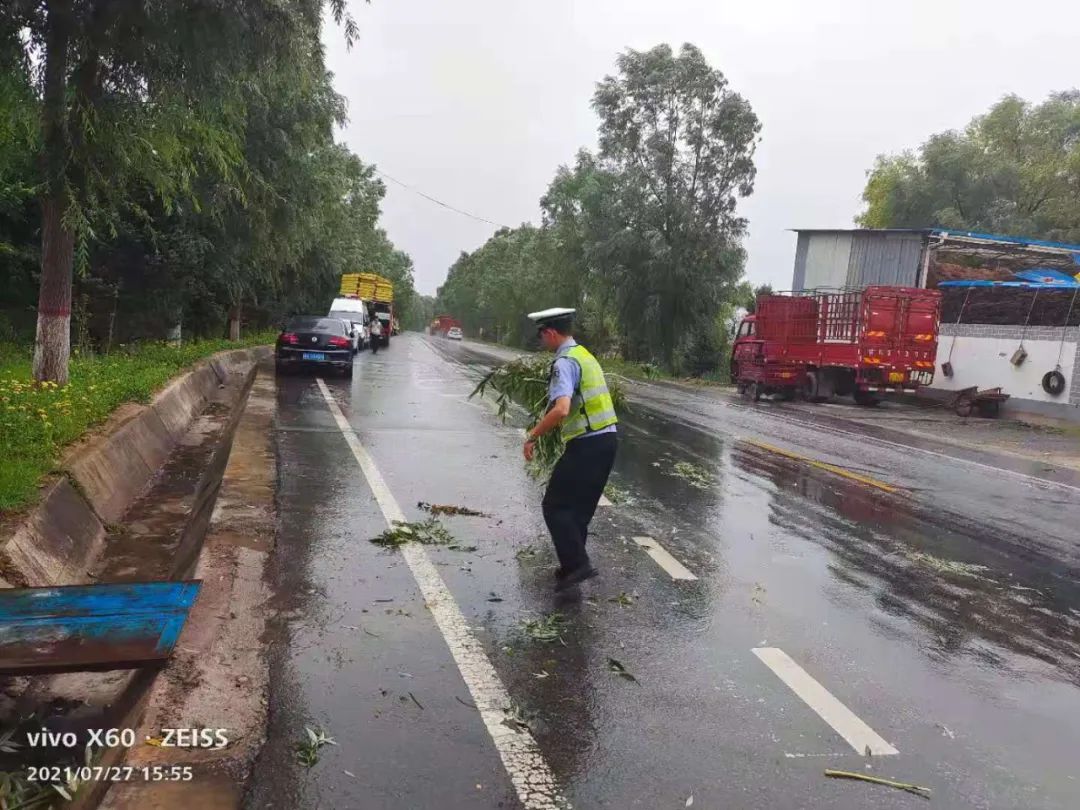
(817, 386)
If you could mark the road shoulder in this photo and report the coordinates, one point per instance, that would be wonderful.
(218, 677)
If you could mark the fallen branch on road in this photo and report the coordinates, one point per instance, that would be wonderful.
(429, 532)
(443, 509)
(918, 790)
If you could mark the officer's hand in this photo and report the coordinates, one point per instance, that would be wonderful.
(530, 448)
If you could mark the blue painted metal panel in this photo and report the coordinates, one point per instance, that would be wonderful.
(1037, 278)
(105, 626)
(1012, 240)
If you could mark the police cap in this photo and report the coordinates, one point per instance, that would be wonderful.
(560, 318)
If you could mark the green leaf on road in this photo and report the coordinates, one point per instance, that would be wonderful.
(547, 629)
(616, 667)
(695, 476)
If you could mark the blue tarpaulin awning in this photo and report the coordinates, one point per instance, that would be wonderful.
(1037, 278)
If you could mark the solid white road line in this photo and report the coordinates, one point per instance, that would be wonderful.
(843, 721)
(675, 568)
(532, 777)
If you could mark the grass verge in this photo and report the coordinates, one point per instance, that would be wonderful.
(38, 421)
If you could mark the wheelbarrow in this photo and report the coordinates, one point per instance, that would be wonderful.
(986, 402)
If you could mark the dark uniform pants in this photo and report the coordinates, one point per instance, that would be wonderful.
(573, 492)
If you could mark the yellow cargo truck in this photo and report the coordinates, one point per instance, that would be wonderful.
(377, 293)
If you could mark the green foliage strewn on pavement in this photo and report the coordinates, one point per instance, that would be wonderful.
(1014, 170)
(38, 420)
(641, 237)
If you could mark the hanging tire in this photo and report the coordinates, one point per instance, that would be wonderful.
(1053, 383)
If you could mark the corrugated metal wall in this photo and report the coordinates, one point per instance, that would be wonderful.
(798, 281)
(884, 258)
(827, 256)
(856, 259)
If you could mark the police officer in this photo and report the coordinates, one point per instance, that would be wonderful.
(580, 408)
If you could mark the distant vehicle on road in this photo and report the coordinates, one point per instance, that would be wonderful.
(315, 341)
(454, 333)
(860, 342)
(354, 310)
(441, 326)
(377, 295)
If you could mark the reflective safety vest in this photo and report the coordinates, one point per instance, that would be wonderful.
(591, 407)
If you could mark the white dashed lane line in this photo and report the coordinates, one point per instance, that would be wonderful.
(843, 721)
(664, 559)
(529, 772)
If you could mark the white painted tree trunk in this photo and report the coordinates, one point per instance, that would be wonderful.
(52, 343)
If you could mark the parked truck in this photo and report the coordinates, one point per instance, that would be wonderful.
(377, 293)
(863, 343)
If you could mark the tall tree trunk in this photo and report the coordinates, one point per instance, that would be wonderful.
(234, 323)
(52, 344)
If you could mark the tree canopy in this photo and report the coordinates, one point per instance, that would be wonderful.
(1014, 170)
(173, 163)
(643, 237)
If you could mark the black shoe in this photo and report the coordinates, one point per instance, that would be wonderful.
(578, 575)
(560, 572)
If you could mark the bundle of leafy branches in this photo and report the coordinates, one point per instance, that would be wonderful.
(524, 381)
(429, 532)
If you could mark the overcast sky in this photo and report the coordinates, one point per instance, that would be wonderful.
(477, 102)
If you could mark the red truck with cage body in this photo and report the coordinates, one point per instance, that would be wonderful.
(442, 325)
(865, 343)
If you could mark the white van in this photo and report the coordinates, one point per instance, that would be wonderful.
(355, 311)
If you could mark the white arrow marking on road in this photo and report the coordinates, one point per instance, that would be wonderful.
(675, 568)
(843, 721)
(532, 777)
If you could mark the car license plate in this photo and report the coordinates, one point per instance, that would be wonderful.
(314, 356)
(896, 376)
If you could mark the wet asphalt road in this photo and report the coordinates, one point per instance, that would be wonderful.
(945, 614)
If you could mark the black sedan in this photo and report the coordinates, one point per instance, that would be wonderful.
(317, 342)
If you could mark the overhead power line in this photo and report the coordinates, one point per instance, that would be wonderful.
(440, 202)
